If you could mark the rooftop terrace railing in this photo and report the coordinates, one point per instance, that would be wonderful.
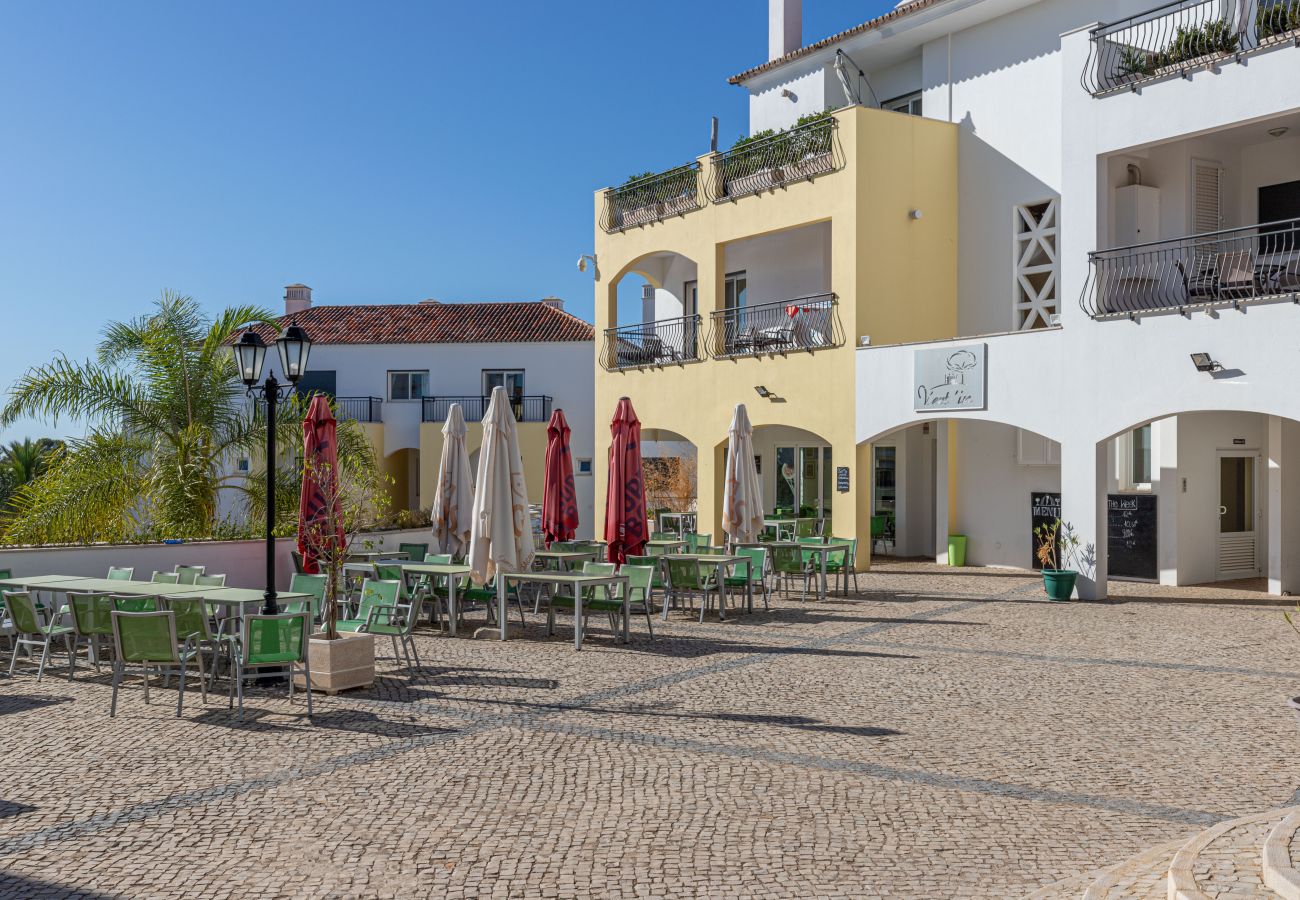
(1180, 37)
(766, 329)
(666, 342)
(1220, 268)
(652, 198)
(360, 409)
(799, 154)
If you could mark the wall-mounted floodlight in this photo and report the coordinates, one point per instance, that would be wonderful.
(762, 391)
(1204, 363)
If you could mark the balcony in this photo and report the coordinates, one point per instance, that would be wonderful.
(1181, 37)
(535, 408)
(651, 198)
(667, 342)
(1220, 268)
(360, 409)
(802, 324)
(766, 163)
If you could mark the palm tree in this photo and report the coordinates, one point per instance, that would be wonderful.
(22, 462)
(166, 419)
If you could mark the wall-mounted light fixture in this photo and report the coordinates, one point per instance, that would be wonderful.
(1204, 363)
(584, 259)
(914, 215)
(762, 391)
(1278, 132)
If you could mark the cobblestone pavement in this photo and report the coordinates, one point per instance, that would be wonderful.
(938, 734)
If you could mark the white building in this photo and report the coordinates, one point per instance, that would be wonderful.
(1129, 198)
(397, 368)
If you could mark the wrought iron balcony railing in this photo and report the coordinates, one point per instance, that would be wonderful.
(799, 154)
(1219, 268)
(667, 342)
(788, 326)
(536, 408)
(652, 198)
(360, 409)
(1180, 37)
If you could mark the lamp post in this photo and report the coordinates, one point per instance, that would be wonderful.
(250, 353)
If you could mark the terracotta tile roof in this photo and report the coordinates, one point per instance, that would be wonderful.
(440, 323)
(869, 25)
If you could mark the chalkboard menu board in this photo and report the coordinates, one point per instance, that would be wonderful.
(1131, 536)
(1045, 508)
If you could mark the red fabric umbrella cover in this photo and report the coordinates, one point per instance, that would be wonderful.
(320, 474)
(625, 522)
(559, 497)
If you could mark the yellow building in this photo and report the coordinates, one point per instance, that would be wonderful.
(759, 270)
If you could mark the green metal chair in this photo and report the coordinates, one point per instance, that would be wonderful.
(299, 567)
(29, 632)
(879, 531)
(165, 578)
(148, 639)
(663, 536)
(695, 541)
(134, 604)
(193, 625)
(751, 573)
(307, 584)
(277, 642)
(438, 559)
(824, 528)
(843, 563)
(653, 561)
(187, 574)
(120, 573)
(413, 551)
(805, 528)
(397, 622)
(210, 581)
(787, 563)
(374, 592)
(810, 539)
(6, 573)
(640, 589)
(92, 619)
(423, 589)
(595, 599)
(685, 580)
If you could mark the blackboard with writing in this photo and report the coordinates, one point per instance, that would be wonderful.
(1045, 508)
(1131, 536)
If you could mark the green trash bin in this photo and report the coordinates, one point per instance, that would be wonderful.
(956, 549)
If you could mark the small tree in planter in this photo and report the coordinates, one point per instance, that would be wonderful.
(1058, 547)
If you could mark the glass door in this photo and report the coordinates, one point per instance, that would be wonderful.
(1237, 517)
(786, 482)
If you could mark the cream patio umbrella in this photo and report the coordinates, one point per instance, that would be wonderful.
(742, 492)
(501, 536)
(453, 502)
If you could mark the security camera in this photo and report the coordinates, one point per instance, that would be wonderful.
(582, 263)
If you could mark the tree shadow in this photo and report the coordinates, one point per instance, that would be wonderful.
(9, 809)
(20, 703)
(14, 885)
(261, 721)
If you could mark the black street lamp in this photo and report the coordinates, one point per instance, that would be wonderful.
(250, 353)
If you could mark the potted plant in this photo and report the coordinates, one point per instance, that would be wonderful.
(339, 660)
(1058, 545)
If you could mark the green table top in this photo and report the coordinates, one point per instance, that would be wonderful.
(245, 596)
(665, 543)
(36, 580)
(566, 554)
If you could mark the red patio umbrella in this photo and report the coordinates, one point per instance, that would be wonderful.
(319, 478)
(559, 497)
(625, 522)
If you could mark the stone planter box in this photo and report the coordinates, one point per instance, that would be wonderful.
(340, 665)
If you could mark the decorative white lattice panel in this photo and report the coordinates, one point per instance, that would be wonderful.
(1036, 296)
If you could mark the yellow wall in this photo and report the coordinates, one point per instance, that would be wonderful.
(895, 278)
(532, 449)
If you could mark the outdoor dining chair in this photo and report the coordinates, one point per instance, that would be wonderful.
(29, 632)
(147, 640)
(752, 573)
(842, 563)
(187, 574)
(397, 622)
(193, 625)
(298, 566)
(695, 541)
(640, 590)
(788, 563)
(594, 599)
(686, 580)
(210, 580)
(805, 528)
(165, 578)
(413, 551)
(92, 619)
(879, 532)
(132, 603)
(374, 592)
(307, 584)
(120, 573)
(277, 643)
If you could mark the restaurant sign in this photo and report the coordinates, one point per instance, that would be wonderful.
(949, 377)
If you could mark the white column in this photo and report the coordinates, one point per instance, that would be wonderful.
(1283, 510)
(1084, 475)
(941, 492)
(1168, 488)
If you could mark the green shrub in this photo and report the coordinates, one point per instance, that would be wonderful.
(1278, 18)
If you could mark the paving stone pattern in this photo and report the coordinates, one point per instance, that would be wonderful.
(941, 733)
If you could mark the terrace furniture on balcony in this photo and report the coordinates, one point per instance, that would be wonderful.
(650, 344)
(801, 324)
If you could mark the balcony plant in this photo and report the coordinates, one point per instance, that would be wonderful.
(1277, 20)
(1058, 547)
(649, 196)
(770, 158)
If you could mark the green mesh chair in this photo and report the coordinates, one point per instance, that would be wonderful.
(438, 559)
(824, 528)
(595, 599)
(752, 573)
(6, 573)
(397, 621)
(210, 580)
(147, 640)
(695, 541)
(879, 532)
(788, 563)
(374, 592)
(805, 528)
(663, 536)
(276, 642)
(121, 573)
(307, 584)
(653, 561)
(165, 578)
(422, 588)
(640, 589)
(299, 567)
(843, 564)
(194, 624)
(92, 620)
(187, 574)
(132, 603)
(29, 632)
(413, 551)
(685, 580)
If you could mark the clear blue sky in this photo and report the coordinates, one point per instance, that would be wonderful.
(380, 152)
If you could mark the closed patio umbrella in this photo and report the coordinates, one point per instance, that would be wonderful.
(559, 497)
(453, 501)
(501, 535)
(742, 493)
(625, 512)
(319, 485)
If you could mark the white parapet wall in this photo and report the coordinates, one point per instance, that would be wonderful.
(242, 562)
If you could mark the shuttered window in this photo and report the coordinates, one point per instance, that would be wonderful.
(1207, 196)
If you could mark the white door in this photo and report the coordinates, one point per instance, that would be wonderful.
(1238, 516)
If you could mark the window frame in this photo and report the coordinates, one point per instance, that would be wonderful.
(408, 373)
(505, 373)
(903, 103)
(1125, 470)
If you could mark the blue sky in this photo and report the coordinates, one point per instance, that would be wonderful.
(380, 152)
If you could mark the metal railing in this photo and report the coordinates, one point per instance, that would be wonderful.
(799, 154)
(533, 408)
(787, 326)
(652, 198)
(1230, 267)
(667, 342)
(1180, 37)
(360, 409)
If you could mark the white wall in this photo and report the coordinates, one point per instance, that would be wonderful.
(785, 265)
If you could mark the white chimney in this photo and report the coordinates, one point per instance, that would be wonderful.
(553, 303)
(784, 27)
(297, 298)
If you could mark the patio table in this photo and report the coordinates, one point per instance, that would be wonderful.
(564, 558)
(777, 525)
(668, 546)
(576, 582)
(720, 562)
(452, 572)
(819, 550)
(378, 554)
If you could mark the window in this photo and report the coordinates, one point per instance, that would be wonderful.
(510, 379)
(908, 103)
(735, 290)
(1134, 463)
(884, 491)
(408, 385)
(584, 467)
(243, 463)
(1036, 269)
(316, 381)
(690, 298)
